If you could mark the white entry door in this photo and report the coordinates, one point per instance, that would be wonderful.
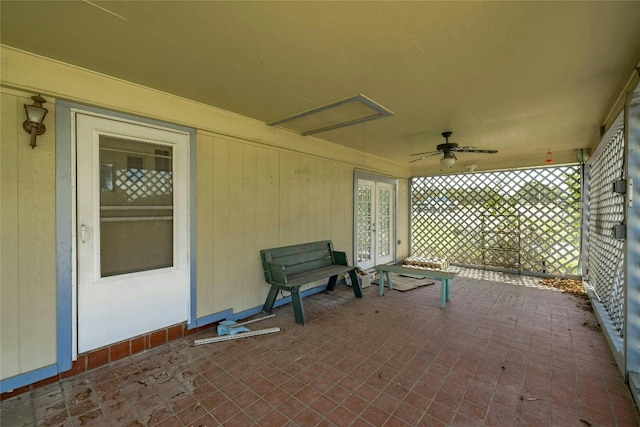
(375, 223)
(132, 236)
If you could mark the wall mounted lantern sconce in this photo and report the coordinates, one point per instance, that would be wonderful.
(35, 116)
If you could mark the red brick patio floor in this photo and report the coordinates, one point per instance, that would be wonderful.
(498, 354)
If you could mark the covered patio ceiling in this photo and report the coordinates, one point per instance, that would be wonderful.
(519, 77)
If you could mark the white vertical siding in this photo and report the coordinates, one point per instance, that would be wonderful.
(267, 211)
(252, 197)
(221, 255)
(205, 222)
(248, 249)
(403, 219)
(344, 240)
(27, 242)
(9, 289)
(285, 196)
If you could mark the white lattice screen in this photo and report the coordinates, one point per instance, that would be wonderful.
(606, 209)
(522, 220)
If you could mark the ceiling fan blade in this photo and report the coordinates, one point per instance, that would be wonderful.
(418, 159)
(468, 149)
(427, 153)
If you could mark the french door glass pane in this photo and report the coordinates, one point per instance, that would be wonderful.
(364, 224)
(136, 206)
(384, 222)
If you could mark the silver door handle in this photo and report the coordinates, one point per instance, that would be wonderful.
(82, 233)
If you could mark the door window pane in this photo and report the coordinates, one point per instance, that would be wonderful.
(136, 206)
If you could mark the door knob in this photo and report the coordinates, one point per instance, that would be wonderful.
(82, 233)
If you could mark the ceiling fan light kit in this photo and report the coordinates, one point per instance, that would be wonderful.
(447, 150)
(448, 160)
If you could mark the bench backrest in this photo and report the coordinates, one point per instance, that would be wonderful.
(299, 258)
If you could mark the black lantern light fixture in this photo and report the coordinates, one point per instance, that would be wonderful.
(35, 116)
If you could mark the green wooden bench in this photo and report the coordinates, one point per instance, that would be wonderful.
(442, 276)
(289, 267)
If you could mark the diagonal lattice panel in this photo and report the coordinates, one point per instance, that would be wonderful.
(606, 209)
(522, 220)
(138, 184)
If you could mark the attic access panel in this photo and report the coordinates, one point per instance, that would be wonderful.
(346, 112)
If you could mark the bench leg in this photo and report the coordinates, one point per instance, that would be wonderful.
(443, 293)
(384, 275)
(355, 283)
(271, 299)
(448, 298)
(331, 286)
(298, 309)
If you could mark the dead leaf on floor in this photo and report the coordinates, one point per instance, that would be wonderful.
(594, 328)
(572, 287)
(528, 398)
(585, 422)
(569, 286)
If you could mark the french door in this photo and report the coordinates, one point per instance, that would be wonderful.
(132, 229)
(375, 223)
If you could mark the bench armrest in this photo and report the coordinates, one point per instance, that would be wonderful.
(340, 257)
(277, 272)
